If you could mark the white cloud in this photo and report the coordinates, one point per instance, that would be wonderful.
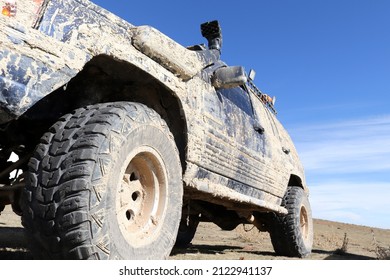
(345, 147)
(352, 202)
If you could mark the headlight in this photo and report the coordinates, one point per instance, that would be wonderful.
(25, 12)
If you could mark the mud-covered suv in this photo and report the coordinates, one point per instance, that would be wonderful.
(116, 141)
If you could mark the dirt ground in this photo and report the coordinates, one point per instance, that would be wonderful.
(332, 241)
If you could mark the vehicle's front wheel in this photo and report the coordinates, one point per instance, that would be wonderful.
(292, 234)
(105, 183)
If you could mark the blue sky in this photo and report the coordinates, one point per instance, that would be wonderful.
(328, 64)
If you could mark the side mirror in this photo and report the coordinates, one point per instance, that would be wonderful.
(229, 77)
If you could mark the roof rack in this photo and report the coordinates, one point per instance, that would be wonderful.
(264, 98)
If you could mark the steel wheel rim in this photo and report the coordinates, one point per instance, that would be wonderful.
(141, 198)
(304, 223)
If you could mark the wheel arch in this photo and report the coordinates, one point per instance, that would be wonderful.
(107, 79)
(297, 181)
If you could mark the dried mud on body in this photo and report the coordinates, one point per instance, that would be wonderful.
(332, 240)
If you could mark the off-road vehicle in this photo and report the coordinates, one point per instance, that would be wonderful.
(116, 141)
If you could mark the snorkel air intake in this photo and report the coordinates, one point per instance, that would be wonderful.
(212, 32)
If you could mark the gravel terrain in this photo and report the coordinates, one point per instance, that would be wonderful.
(332, 240)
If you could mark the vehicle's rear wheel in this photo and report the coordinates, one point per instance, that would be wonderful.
(292, 234)
(105, 183)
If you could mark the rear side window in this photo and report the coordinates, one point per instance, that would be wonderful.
(239, 97)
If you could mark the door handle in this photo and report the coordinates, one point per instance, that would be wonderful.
(258, 127)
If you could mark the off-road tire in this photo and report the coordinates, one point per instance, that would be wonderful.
(104, 183)
(187, 230)
(292, 234)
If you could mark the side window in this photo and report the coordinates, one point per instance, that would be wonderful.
(239, 97)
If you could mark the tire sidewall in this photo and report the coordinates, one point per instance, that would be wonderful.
(155, 138)
(305, 243)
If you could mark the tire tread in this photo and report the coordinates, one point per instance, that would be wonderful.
(62, 182)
